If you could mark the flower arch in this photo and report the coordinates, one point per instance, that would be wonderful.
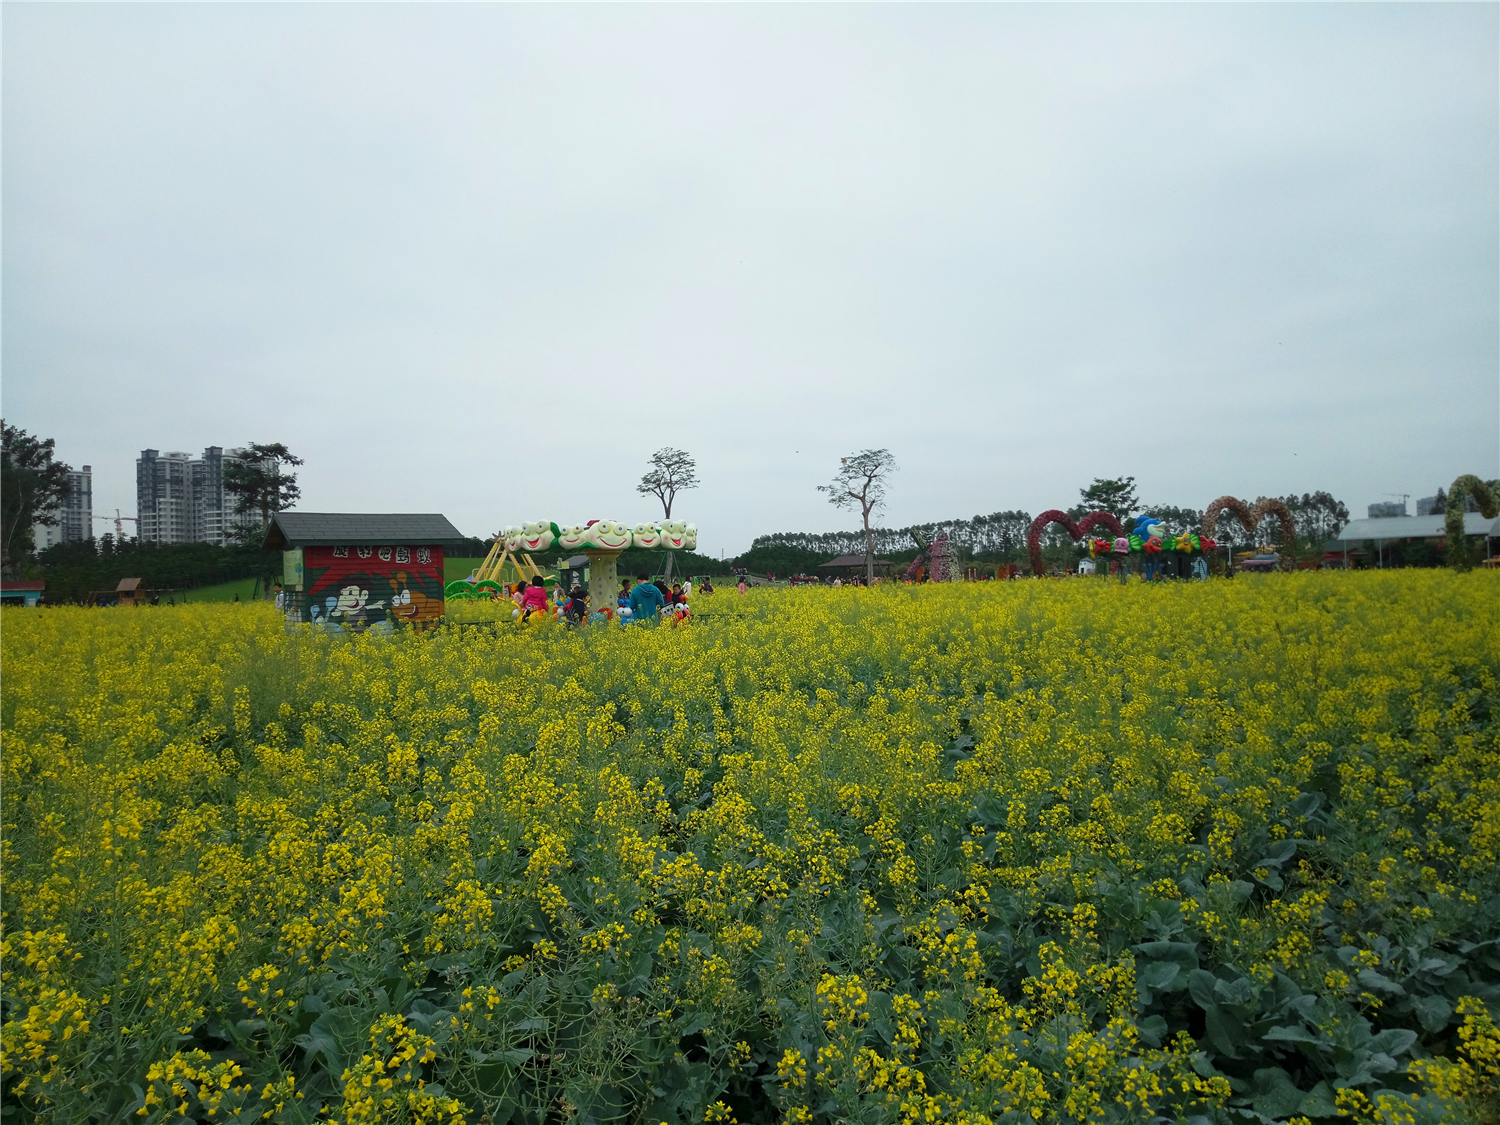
(1250, 517)
(1077, 530)
(1453, 520)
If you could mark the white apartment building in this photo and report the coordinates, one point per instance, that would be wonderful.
(180, 498)
(75, 517)
(78, 509)
(44, 535)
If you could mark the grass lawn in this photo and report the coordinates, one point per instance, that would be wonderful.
(454, 569)
(247, 588)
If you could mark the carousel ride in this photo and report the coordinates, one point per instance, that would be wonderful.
(510, 559)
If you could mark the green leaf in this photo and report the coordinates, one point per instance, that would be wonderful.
(1291, 1035)
(1201, 988)
(1433, 1012)
(1277, 854)
(1225, 1030)
(1319, 1102)
(1393, 1041)
(1184, 953)
(1160, 975)
(1152, 1030)
(1275, 1094)
(1271, 879)
(1378, 982)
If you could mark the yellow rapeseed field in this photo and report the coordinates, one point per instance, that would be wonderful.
(1032, 851)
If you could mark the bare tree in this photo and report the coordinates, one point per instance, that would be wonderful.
(672, 471)
(860, 483)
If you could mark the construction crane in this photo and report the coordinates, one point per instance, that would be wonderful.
(120, 522)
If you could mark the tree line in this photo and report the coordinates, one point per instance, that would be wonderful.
(1001, 536)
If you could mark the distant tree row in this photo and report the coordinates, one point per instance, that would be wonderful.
(72, 570)
(1001, 536)
(995, 534)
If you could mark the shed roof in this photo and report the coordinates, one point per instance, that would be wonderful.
(22, 584)
(1413, 527)
(334, 529)
(128, 584)
(851, 560)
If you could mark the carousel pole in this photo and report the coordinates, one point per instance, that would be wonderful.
(604, 580)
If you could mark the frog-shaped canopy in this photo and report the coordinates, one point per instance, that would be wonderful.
(601, 535)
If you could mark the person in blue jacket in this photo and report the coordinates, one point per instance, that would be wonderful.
(645, 600)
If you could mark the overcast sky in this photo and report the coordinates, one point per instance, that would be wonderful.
(484, 260)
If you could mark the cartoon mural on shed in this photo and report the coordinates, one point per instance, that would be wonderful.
(357, 586)
(359, 572)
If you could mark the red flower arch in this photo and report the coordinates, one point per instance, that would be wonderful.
(1076, 530)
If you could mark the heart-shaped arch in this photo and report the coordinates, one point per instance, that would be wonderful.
(1076, 530)
(1250, 517)
(1453, 520)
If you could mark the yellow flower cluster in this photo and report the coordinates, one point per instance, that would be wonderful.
(386, 1083)
(972, 854)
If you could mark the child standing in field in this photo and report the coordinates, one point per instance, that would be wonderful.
(742, 585)
(534, 600)
(577, 608)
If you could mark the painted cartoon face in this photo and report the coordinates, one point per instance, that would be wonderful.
(610, 535)
(512, 538)
(537, 536)
(646, 535)
(672, 534)
(571, 537)
(1122, 546)
(350, 599)
(689, 537)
